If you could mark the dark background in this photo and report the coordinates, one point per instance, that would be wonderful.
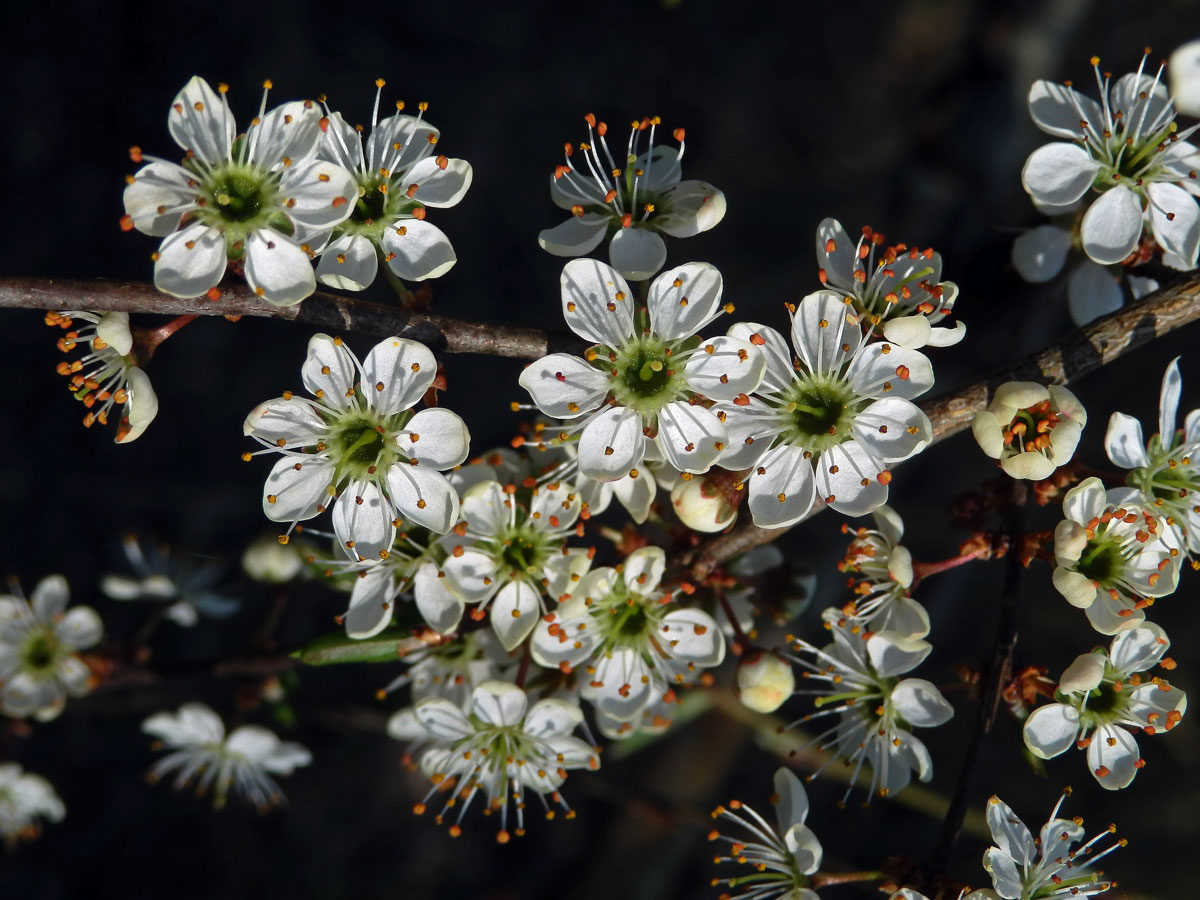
(908, 116)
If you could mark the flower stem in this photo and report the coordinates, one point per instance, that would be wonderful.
(823, 879)
(922, 570)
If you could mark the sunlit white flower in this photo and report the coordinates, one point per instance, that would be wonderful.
(1126, 155)
(259, 200)
(631, 645)
(360, 440)
(1023, 868)
(1184, 69)
(108, 373)
(398, 177)
(503, 747)
(26, 798)
(39, 645)
(643, 379)
(881, 573)
(182, 586)
(450, 670)
(764, 681)
(1093, 290)
(202, 754)
(899, 284)
(1101, 692)
(1029, 428)
(1167, 469)
(825, 426)
(513, 552)
(855, 679)
(783, 855)
(634, 197)
(1113, 557)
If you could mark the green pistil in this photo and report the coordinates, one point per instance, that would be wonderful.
(817, 413)
(40, 652)
(646, 373)
(1101, 561)
(372, 203)
(239, 195)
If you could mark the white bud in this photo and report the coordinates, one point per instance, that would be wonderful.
(270, 561)
(701, 507)
(764, 681)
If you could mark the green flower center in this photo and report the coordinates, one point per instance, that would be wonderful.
(646, 374)
(1101, 561)
(238, 195)
(361, 444)
(372, 203)
(816, 412)
(40, 652)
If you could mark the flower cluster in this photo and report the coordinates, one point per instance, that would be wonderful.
(295, 184)
(881, 574)
(1101, 697)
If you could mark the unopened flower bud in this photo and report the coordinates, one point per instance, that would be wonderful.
(701, 506)
(764, 681)
(268, 560)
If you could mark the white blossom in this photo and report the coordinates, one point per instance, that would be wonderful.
(1029, 428)
(783, 855)
(1113, 557)
(1125, 154)
(260, 200)
(39, 645)
(181, 586)
(855, 679)
(897, 288)
(629, 644)
(824, 426)
(26, 798)
(513, 552)
(1184, 69)
(108, 373)
(1101, 698)
(1025, 868)
(1166, 471)
(635, 198)
(643, 379)
(502, 748)
(881, 575)
(360, 440)
(201, 753)
(397, 178)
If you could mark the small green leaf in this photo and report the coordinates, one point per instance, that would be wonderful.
(336, 648)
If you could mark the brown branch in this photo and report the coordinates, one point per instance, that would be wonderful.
(1080, 353)
(322, 310)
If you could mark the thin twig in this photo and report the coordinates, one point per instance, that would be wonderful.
(1064, 362)
(321, 310)
(995, 677)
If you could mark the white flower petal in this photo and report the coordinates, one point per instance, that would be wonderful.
(552, 718)
(684, 299)
(50, 598)
(577, 236)
(370, 609)
(792, 808)
(424, 496)
(1184, 69)
(1083, 675)
(693, 636)
(436, 437)
(891, 654)
(335, 386)
(471, 573)
(1175, 218)
(847, 478)
(318, 194)
(1112, 226)
(158, 197)
(1139, 648)
(418, 250)
(200, 121)
(1005, 877)
(1009, 832)
(781, 487)
(1168, 403)
(637, 253)
(1062, 111)
(439, 606)
(1059, 173)
(1051, 730)
(804, 847)
(1039, 254)
(732, 367)
(442, 719)
(289, 132)
(1092, 291)
(298, 488)
(691, 437)
(1077, 588)
(194, 723)
(277, 269)
(597, 303)
(190, 261)
(1124, 443)
(362, 520)
(892, 429)
(80, 628)
(921, 703)
(349, 264)
(396, 374)
(564, 386)
(515, 611)
(1112, 757)
(611, 444)
(293, 421)
(691, 207)
(499, 703)
(825, 331)
(440, 182)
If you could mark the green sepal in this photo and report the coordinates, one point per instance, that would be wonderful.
(336, 648)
